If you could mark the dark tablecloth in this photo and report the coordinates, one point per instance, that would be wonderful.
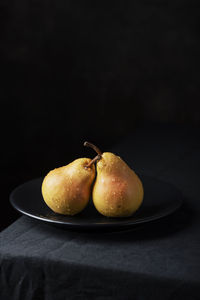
(158, 261)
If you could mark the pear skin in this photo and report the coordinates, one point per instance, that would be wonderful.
(118, 191)
(66, 190)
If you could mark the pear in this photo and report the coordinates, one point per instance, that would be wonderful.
(66, 190)
(118, 191)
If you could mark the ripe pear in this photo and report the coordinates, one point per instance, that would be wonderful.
(66, 190)
(118, 191)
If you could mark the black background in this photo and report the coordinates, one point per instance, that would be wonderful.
(80, 70)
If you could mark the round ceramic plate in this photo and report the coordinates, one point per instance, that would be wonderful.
(160, 200)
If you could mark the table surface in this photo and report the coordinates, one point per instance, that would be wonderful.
(158, 261)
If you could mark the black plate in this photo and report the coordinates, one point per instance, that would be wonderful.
(160, 199)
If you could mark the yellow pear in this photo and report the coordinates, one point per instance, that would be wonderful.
(66, 190)
(118, 191)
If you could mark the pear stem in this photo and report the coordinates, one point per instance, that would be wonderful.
(93, 161)
(95, 148)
